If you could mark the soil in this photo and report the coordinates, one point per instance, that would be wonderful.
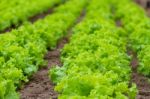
(145, 4)
(148, 11)
(40, 86)
(118, 23)
(41, 15)
(141, 81)
(32, 19)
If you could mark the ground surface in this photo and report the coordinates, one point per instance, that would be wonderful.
(141, 81)
(40, 86)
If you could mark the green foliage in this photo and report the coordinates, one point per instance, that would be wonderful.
(137, 24)
(17, 11)
(95, 63)
(22, 50)
(144, 57)
(7, 89)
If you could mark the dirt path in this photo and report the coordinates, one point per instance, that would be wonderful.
(32, 19)
(40, 86)
(141, 81)
(145, 4)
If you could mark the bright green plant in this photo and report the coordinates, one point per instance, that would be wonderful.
(22, 50)
(15, 11)
(95, 63)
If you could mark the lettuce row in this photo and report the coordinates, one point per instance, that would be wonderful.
(137, 24)
(95, 63)
(22, 50)
(17, 11)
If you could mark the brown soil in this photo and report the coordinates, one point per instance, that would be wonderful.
(118, 23)
(40, 15)
(32, 19)
(40, 86)
(148, 11)
(141, 81)
(145, 4)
